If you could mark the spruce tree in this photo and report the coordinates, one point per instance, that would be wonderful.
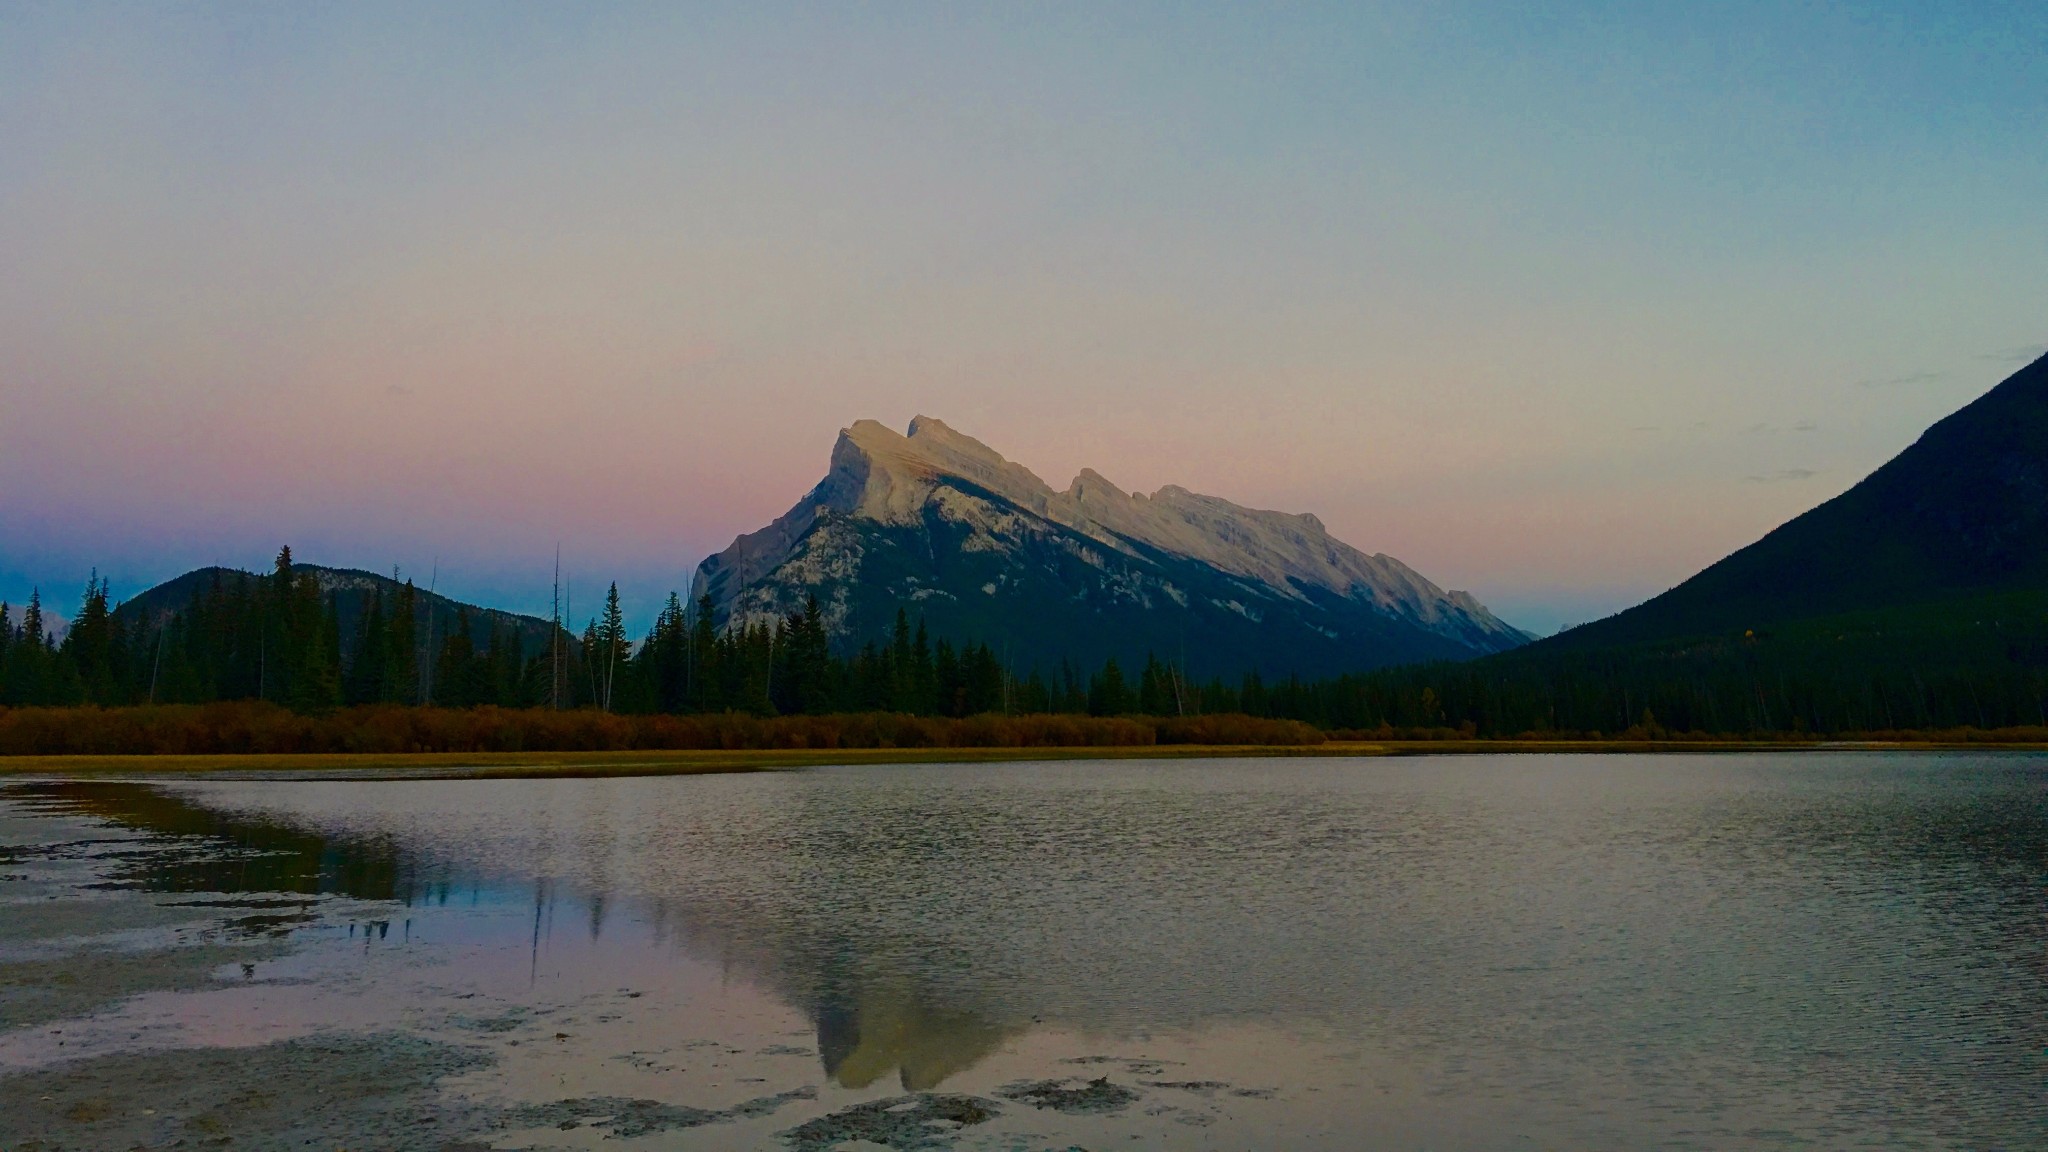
(311, 648)
(401, 679)
(586, 680)
(88, 644)
(1252, 697)
(868, 679)
(668, 657)
(703, 671)
(1108, 694)
(1155, 688)
(502, 666)
(276, 651)
(924, 676)
(611, 635)
(33, 630)
(368, 664)
(981, 680)
(455, 673)
(949, 690)
(1034, 696)
(7, 649)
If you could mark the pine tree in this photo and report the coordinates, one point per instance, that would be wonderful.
(1252, 698)
(1108, 695)
(1073, 695)
(35, 675)
(924, 674)
(7, 649)
(1034, 696)
(311, 648)
(949, 691)
(611, 635)
(33, 630)
(503, 666)
(370, 661)
(667, 656)
(275, 653)
(805, 680)
(868, 679)
(328, 662)
(1155, 688)
(455, 671)
(981, 680)
(902, 666)
(703, 672)
(88, 644)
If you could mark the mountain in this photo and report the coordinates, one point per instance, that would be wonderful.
(1918, 599)
(1962, 513)
(978, 547)
(350, 589)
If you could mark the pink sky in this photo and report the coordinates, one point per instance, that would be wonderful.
(410, 289)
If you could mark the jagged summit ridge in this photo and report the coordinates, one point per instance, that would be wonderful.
(934, 478)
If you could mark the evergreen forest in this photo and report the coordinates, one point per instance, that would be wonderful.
(1977, 662)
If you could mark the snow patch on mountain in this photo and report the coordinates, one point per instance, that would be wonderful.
(880, 476)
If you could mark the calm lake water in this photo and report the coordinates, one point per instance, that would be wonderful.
(1622, 952)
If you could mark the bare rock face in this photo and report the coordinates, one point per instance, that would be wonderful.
(939, 523)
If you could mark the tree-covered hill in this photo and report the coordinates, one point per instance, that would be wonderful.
(1918, 598)
(1962, 511)
(349, 590)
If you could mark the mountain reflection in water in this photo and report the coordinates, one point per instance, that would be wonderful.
(864, 1032)
(1856, 934)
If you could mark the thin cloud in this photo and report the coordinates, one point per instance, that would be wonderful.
(1806, 426)
(1897, 381)
(1782, 477)
(2024, 354)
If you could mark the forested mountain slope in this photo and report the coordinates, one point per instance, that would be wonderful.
(1961, 512)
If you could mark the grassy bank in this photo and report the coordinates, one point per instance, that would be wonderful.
(543, 765)
(506, 765)
(252, 728)
(248, 737)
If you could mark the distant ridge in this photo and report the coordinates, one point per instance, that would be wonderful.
(350, 589)
(938, 524)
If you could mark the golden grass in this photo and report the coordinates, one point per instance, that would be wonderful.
(509, 765)
(496, 765)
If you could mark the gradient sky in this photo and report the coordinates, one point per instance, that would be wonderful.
(1555, 306)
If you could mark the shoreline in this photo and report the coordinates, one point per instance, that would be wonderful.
(572, 765)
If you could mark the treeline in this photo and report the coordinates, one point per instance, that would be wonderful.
(276, 639)
(279, 639)
(1979, 664)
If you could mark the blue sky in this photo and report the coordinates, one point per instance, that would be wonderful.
(1556, 303)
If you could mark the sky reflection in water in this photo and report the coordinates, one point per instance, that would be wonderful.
(1695, 951)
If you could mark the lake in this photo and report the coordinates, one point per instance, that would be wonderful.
(1486, 952)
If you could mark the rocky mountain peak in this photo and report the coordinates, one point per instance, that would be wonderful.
(1091, 483)
(938, 483)
(898, 472)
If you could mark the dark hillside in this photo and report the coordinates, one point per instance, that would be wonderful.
(1917, 599)
(350, 589)
(1962, 511)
